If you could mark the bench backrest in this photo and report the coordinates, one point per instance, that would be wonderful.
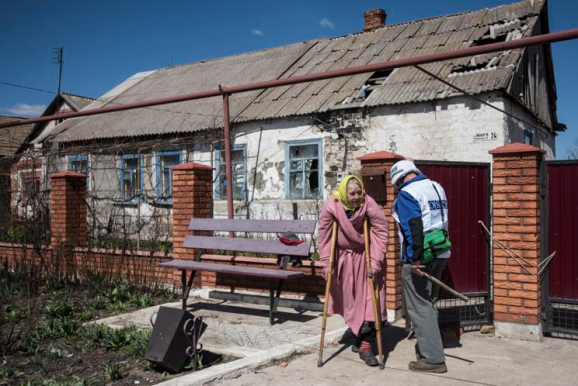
(261, 226)
(239, 244)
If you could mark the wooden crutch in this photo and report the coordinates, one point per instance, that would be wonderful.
(327, 287)
(374, 295)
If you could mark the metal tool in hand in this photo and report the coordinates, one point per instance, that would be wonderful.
(445, 286)
(193, 328)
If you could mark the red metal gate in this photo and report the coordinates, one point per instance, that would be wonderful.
(467, 187)
(560, 217)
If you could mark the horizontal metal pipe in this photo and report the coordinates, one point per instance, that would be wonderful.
(455, 54)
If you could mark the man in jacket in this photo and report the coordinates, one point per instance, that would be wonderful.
(417, 210)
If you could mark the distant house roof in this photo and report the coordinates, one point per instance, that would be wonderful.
(62, 103)
(12, 138)
(479, 74)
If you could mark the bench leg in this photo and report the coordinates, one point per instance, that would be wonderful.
(186, 286)
(274, 299)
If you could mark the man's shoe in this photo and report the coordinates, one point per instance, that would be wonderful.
(368, 358)
(428, 367)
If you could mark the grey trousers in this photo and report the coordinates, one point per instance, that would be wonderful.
(417, 292)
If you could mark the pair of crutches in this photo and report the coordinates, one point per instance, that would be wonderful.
(373, 289)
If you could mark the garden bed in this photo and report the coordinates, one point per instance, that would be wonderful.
(44, 339)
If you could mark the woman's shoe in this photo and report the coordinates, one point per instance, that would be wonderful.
(368, 358)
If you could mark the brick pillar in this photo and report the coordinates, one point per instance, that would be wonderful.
(68, 209)
(383, 161)
(192, 198)
(516, 223)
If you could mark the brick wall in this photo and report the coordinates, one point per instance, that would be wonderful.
(516, 223)
(68, 208)
(192, 198)
(384, 160)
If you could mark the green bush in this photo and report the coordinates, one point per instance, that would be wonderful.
(119, 294)
(93, 334)
(127, 340)
(97, 302)
(113, 371)
(60, 307)
(142, 300)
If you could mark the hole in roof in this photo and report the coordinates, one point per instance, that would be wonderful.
(377, 79)
(487, 39)
(496, 33)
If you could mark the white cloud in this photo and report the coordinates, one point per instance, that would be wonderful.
(326, 23)
(257, 32)
(26, 110)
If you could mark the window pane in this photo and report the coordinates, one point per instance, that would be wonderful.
(296, 185)
(296, 165)
(166, 183)
(130, 177)
(238, 175)
(304, 171)
(312, 185)
(311, 164)
(169, 160)
(166, 162)
(80, 166)
(304, 151)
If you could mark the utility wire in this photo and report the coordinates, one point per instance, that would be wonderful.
(27, 87)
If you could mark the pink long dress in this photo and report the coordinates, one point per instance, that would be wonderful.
(350, 295)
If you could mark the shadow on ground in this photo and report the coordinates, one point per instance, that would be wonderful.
(280, 316)
(390, 337)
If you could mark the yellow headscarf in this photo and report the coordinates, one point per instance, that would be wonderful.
(341, 192)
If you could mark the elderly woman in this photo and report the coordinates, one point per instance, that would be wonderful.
(350, 294)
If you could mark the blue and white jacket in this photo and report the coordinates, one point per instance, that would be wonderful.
(417, 210)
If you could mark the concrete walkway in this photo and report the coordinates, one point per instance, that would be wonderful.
(242, 330)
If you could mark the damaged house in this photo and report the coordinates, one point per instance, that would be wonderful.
(290, 143)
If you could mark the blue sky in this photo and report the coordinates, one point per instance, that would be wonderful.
(107, 41)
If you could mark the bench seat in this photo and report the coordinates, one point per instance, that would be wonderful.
(239, 244)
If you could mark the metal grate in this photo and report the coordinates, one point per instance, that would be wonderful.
(474, 312)
(563, 317)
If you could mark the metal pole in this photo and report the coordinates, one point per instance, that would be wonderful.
(455, 54)
(228, 173)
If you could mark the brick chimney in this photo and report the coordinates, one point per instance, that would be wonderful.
(374, 19)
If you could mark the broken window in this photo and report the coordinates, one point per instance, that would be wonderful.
(302, 170)
(377, 79)
(238, 173)
(130, 176)
(164, 161)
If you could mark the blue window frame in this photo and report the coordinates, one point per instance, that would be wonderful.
(303, 169)
(239, 173)
(80, 164)
(164, 177)
(130, 176)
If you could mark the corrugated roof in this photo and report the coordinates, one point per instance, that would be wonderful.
(11, 138)
(404, 85)
(76, 102)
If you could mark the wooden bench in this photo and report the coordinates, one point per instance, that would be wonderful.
(237, 244)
